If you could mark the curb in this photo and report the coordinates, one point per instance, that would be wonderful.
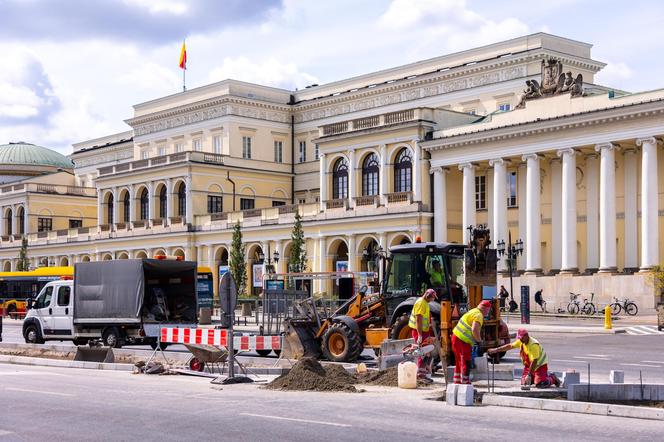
(574, 407)
(45, 362)
(568, 329)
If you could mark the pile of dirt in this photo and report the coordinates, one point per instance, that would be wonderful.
(309, 375)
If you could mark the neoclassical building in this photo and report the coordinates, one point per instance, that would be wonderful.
(423, 149)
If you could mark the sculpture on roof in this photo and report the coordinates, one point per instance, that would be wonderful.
(553, 82)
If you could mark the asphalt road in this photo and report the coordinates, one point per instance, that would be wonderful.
(38, 403)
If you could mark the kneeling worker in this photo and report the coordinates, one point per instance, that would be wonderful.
(465, 335)
(535, 362)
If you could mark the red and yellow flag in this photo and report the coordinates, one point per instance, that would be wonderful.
(183, 57)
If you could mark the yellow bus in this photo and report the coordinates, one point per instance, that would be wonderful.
(17, 288)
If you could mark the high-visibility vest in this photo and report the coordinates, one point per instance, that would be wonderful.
(464, 328)
(412, 321)
(542, 359)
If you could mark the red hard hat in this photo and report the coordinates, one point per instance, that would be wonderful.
(521, 333)
(485, 303)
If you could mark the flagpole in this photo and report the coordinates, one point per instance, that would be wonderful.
(184, 83)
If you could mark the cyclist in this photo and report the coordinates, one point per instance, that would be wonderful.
(540, 300)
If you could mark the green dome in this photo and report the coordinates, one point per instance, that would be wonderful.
(21, 153)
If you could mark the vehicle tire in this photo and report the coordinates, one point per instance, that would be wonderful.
(263, 353)
(616, 308)
(112, 338)
(154, 345)
(81, 341)
(11, 308)
(631, 309)
(33, 335)
(400, 329)
(573, 308)
(341, 344)
(589, 309)
(196, 365)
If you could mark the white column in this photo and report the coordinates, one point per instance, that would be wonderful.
(190, 200)
(151, 200)
(592, 212)
(132, 204)
(350, 239)
(13, 220)
(383, 173)
(26, 217)
(649, 203)
(468, 199)
(630, 198)
(607, 207)
(439, 204)
(522, 199)
(417, 171)
(100, 208)
(116, 206)
(533, 218)
(556, 214)
(323, 181)
(2, 221)
(278, 247)
(499, 228)
(169, 199)
(210, 257)
(568, 240)
(199, 255)
(352, 181)
(322, 257)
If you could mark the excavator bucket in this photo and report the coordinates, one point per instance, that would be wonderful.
(94, 354)
(298, 341)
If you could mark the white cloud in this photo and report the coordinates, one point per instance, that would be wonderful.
(615, 74)
(270, 72)
(174, 7)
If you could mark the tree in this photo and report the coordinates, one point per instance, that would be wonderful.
(298, 251)
(237, 260)
(23, 263)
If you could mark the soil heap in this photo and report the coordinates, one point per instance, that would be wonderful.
(309, 375)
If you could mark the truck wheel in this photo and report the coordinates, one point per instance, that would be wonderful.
(341, 344)
(33, 335)
(112, 338)
(400, 329)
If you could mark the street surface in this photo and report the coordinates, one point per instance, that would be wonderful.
(39, 403)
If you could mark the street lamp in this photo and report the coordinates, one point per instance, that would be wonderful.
(512, 251)
(261, 256)
(275, 256)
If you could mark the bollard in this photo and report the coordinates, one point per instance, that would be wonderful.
(607, 318)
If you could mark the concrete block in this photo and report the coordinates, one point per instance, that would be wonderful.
(451, 394)
(571, 377)
(617, 377)
(465, 395)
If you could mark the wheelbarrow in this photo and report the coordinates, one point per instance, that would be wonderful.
(206, 356)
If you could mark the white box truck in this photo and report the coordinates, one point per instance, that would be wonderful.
(120, 302)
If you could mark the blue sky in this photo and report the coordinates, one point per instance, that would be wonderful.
(72, 69)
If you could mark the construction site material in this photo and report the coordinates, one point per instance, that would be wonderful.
(617, 377)
(63, 363)
(499, 372)
(615, 392)
(570, 378)
(465, 395)
(218, 338)
(94, 354)
(451, 394)
(390, 352)
(309, 375)
(407, 375)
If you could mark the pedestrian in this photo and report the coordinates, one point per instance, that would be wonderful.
(535, 361)
(420, 322)
(540, 300)
(503, 295)
(465, 336)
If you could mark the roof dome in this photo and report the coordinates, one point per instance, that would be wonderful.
(16, 154)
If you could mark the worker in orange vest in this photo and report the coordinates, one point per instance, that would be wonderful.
(465, 335)
(535, 361)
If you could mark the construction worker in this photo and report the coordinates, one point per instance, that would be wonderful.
(465, 335)
(535, 362)
(420, 322)
(436, 275)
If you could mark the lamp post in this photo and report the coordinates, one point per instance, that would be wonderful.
(512, 251)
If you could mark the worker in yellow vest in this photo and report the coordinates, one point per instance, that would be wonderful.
(420, 322)
(465, 335)
(535, 361)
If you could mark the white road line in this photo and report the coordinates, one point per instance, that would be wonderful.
(54, 393)
(636, 331)
(569, 360)
(5, 432)
(334, 424)
(599, 356)
(591, 357)
(642, 365)
(653, 362)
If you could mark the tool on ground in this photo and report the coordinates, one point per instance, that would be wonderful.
(414, 351)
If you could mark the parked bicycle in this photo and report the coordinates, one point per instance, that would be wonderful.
(628, 306)
(575, 306)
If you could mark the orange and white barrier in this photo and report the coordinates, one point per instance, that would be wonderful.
(218, 338)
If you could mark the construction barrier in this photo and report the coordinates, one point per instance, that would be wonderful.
(218, 338)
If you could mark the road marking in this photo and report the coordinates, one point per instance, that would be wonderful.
(642, 365)
(5, 432)
(654, 362)
(334, 424)
(54, 393)
(598, 356)
(591, 357)
(643, 330)
(568, 360)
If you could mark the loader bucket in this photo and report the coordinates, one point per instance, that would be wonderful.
(94, 354)
(298, 342)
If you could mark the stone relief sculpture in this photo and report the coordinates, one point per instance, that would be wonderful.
(553, 82)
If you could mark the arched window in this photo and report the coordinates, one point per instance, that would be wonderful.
(340, 179)
(403, 171)
(109, 209)
(8, 222)
(145, 204)
(182, 200)
(370, 170)
(125, 207)
(162, 202)
(20, 220)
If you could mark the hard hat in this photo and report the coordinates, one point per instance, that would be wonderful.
(430, 292)
(521, 333)
(485, 303)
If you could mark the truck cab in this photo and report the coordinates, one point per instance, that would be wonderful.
(51, 315)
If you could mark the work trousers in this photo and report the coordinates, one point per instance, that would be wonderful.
(423, 362)
(541, 377)
(463, 355)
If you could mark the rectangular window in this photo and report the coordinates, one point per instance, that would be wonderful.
(246, 147)
(215, 204)
(504, 107)
(145, 154)
(75, 223)
(44, 224)
(278, 203)
(511, 190)
(246, 203)
(178, 147)
(64, 293)
(303, 151)
(480, 192)
(278, 152)
(198, 145)
(216, 144)
(316, 152)
(162, 151)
